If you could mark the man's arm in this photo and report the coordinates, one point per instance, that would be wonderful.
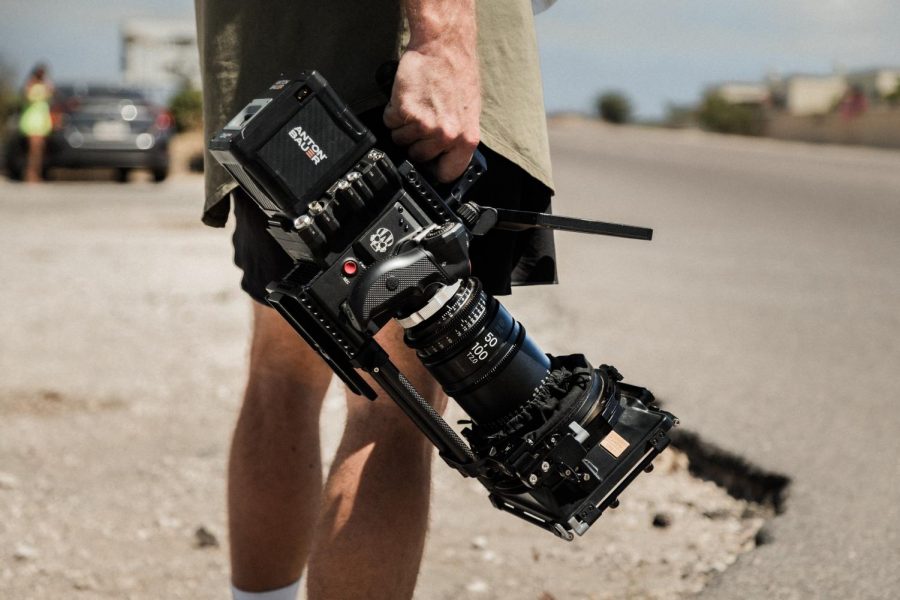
(435, 104)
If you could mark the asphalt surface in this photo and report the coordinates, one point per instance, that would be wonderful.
(122, 364)
(766, 312)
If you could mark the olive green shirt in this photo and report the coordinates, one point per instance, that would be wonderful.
(245, 46)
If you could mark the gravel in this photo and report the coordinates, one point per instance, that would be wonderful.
(123, 360)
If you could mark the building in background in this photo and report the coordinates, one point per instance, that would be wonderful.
(160, 56)
(876, 84)
(757, 94)
(856, 107)
(808, 95)
(804, 95)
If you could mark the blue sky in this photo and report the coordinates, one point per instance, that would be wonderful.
(656, 51)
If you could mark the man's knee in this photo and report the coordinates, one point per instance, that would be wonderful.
(391, 339)
(287, 376)
(284, 370)
(382, 421)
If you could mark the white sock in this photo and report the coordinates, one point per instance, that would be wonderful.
(285, 593)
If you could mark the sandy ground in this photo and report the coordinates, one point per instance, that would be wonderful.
(765, 311)
(121, 366)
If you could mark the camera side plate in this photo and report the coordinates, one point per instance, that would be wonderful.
(614, 462)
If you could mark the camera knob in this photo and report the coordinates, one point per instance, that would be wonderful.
(439, 231)
(477, 219)
(308, 232)
(449, 244)
(348, 197)
(360, 186)
(468, 214)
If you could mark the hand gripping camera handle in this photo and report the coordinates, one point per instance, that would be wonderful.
(477, 167)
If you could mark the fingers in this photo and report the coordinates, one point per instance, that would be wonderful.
(406, 135)
(394, 118)
(453, 163)
(424, 150)
(428, 139)
(453, 157)
(453, 154)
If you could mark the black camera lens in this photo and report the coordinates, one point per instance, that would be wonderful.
(479, 353)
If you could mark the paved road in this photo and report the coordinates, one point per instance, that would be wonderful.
(767, 313)
(122, 360)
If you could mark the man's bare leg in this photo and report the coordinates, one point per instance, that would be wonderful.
(371, 532)
(275, 471)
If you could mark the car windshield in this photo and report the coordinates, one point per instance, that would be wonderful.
(100, 93)
(126, 108)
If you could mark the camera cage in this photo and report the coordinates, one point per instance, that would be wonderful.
(336, 203)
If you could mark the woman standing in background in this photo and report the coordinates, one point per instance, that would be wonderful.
(35, 123)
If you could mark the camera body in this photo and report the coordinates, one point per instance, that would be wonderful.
(341, 217)
(553, 439)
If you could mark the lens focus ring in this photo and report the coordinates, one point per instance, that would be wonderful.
(462, 314)
(480, 354)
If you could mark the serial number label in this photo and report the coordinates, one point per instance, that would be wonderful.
(481, 349)
(614, 443)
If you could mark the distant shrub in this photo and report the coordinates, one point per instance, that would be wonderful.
(614, 107)
(719, 115)
(894, 97)
(187, 109)
(679, 116)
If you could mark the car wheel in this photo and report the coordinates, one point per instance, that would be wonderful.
(159, 175)
(15, 164)
(122, 175)
(14, 171)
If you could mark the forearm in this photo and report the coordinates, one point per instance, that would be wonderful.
(436, 100)
(445, 22)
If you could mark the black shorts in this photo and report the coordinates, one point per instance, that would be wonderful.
(500, 259)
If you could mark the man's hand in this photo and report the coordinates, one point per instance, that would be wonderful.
(436, 99)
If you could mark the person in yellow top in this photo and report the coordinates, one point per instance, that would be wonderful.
(35, 123)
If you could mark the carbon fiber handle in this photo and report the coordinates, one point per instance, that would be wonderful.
(396, 284)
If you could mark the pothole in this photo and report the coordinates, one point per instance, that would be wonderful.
(732, 472)
(676, 529)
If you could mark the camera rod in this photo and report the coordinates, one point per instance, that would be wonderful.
(452, 449)
(520, 220)
(480, 219)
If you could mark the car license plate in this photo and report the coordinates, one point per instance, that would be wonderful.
(110, 131)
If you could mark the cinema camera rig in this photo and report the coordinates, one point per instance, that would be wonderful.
(554, 440)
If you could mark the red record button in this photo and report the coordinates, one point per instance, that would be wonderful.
(350, 267)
